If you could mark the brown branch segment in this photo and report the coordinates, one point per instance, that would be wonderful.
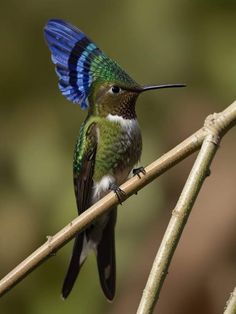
(216, 125)
(176, 225)
(231, 303)
(223, 121)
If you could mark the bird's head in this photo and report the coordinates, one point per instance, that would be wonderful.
(88, 76)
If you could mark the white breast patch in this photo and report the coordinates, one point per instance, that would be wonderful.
(101, 187)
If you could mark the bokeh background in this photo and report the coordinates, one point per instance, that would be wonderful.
(163, 41)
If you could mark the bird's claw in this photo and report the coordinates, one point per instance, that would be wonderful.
(208, 172)
(119, 193)
(138, 171)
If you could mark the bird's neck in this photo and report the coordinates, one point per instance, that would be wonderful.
(123, 110)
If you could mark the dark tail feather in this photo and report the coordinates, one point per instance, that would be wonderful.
(74, 266)
(106, 259)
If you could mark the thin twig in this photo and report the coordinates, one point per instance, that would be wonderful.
(231, 303)
(176, 225)
(167, 161)
(216, 126)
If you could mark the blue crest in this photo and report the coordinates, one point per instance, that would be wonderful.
(79, 62)
(72, 53)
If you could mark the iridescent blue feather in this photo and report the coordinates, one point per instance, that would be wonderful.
(70, 49)
(79, 62)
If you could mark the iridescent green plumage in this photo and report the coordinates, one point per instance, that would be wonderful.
(105, 69)
(114, 145)
(104, 155)
(109, 143)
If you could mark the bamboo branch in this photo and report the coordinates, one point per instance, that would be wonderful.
(231, 303)
(223, 121)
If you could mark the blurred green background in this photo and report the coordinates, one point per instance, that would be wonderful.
(163, 41)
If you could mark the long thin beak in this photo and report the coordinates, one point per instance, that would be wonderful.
(145, 88)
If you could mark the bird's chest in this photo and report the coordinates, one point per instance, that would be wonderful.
(119, 147)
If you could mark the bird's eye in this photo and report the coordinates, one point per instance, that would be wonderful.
(115, 89)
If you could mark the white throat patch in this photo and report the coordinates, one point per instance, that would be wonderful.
(129, 124)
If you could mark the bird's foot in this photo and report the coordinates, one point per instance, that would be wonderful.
(208, 172)
(119, 193)
(138, 171)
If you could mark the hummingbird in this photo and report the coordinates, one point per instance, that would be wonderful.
(109, 143)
